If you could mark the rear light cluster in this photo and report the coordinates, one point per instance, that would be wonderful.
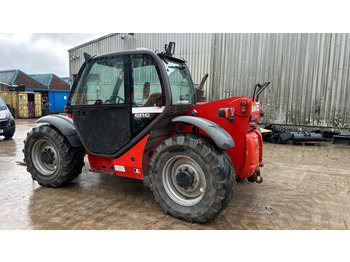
(244, 106)
(228, 113)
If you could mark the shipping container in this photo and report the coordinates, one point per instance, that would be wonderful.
(57, 100)
(11, 98)
(6, 97)
(24, 104)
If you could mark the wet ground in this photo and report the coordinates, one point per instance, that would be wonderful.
(305, 187)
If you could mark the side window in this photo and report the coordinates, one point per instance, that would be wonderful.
(182, 89)
(147, 92)
(101, 83)
(146, 83)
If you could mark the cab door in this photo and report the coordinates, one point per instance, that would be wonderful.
(101, 105)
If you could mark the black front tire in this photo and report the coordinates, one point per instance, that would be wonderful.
(9, 135)
(50, 158)
(191, 178)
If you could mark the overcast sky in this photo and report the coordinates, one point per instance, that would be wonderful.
(40, 53)
(48, 53)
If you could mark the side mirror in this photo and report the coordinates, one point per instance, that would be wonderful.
(87, 57)
(8, 106)
(170, 49)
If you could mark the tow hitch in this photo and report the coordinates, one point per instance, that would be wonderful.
(256, 177)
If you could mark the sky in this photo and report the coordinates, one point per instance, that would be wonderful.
(45, 52)
(37, 53)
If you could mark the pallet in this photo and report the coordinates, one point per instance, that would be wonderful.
(265, 131)
(309, 143)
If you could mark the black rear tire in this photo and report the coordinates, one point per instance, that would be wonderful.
(191, 178)
(50, 158)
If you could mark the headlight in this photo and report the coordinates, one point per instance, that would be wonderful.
(9, 115)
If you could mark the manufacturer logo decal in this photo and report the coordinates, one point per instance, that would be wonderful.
(142, 115)
(255, 108)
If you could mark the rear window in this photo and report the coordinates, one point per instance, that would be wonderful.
(182, 89)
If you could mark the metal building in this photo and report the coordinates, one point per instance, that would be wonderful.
(309, 73)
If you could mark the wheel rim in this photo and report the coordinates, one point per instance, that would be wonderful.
(184, 180)
(45, 157)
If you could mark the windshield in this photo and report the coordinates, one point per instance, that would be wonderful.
(102, 82)
(181, 85)
(2, 104)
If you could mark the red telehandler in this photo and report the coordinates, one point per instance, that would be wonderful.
(137, 114)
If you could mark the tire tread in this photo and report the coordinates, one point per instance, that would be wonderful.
(218, 162)
(72, 159)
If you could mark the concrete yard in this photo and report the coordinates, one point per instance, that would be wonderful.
(305, 187)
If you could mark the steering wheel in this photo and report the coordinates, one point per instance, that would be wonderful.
(117, 100)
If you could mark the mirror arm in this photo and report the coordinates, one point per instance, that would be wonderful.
(257, 85)
(261, 89)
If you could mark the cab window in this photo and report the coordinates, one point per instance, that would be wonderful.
(147, 92)
(146, 83)
(102, 82)
(182, 90)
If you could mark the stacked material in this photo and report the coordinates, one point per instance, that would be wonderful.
(282, 135)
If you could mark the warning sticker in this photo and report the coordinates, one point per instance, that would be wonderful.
(119, 168)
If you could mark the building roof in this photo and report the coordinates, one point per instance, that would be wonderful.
(66, 79)
(9, 76)
(45, 79)
(93, 41)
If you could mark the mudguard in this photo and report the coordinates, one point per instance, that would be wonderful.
(65, 126)
(220, 136)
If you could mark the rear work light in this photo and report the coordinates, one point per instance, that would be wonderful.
(228, 113)
(244, 106)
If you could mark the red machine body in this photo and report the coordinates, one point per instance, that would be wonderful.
(246, 155)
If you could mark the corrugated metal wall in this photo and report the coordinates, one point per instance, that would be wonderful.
(309, 73)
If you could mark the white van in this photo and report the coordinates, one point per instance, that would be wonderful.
(7, 122)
